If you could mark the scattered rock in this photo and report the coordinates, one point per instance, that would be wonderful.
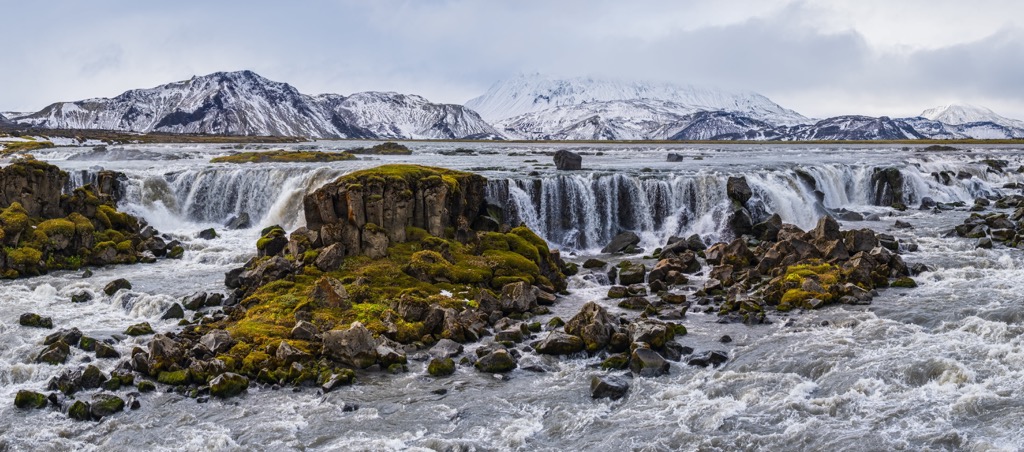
(497, 361)
(111, 288)
(228, 384)
(139, 329)
(35, 321)
(648, 363)
(354, 346)
(558, 343)
(440, 367)
(608, 387)
(173, 312)
(208, 234)
(712, 358)
(104, 405)
(621, 242)
(29, 399)
(737, 189)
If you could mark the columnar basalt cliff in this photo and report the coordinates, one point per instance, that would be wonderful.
(41, 228)
(368, 210)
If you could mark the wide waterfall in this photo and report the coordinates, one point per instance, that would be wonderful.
(583, 210)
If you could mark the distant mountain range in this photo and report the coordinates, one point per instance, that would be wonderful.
(529, 107)
(244, 103)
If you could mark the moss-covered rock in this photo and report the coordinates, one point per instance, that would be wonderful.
(29, 399)
(228, 385)
(441, 367)
(35, 320)
(139, 329)
(79, 411)
(174, 378)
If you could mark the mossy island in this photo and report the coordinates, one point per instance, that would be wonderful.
(281, 155)
(386, 148)
(43, 229)
(392, 260)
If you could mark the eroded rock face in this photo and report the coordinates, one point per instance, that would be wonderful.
(368, 210)
(36, 186)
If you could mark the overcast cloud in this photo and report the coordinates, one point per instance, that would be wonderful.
(876, 57)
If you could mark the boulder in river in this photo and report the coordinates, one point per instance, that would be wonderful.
(621, 242)
(608, 387)
(228, 384)
(35, 320)
(567, 160)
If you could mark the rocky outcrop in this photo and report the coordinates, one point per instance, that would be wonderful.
(43, 229)
(368, 210)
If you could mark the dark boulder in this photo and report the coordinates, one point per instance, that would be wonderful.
(608, 387)
(566, 160)
(647, 363)
(111, 288)
(737, 189)
(621, 242)
(35, 321)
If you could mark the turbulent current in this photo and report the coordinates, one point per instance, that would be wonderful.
(938, 367)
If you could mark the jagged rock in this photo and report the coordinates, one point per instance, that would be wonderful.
(328, 292)
(217, 341)
(651, 332)
(91, 378)
(288, 354)
(648, 363)
(712, 358)
(594, 325)
(446, 348)
(79, 411)
(737, 189)
(228, 385)
(173, 312)
(517, 297)
(242, 221)
(631, 273)
(55, 353)
(111, 288)
(566, 160)
(139, 329)
(673, 157)
(618, 292)
(558, 343)
(608, 387)
(304, 331)
(621, 242)
(104, 350)
(354, 346)
(81, 297)
(887, 186)
(208, 234)
(35, 321)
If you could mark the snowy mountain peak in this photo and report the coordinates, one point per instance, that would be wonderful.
(245, 103)
(534, 92)
(956, 114)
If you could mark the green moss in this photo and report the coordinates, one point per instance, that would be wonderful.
(25, 256)
(284, 156)
(125, 247)
(14, 219)
(57, 226)
(174, 378)
(905, 282)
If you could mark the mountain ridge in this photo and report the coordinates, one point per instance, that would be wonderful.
(245, 103)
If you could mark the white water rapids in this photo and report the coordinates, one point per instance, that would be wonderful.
(939, 367)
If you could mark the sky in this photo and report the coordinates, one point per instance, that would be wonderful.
(820, 58)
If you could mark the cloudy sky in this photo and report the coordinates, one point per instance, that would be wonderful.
(821, 58)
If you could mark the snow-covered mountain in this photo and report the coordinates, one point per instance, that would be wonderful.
(536, 93)
(4, 121)
(958, 114)
(244, 103)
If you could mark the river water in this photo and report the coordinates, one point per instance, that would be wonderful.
(938, 367)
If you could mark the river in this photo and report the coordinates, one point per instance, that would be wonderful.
(937, 367)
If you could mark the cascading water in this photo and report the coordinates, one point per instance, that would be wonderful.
(584, 211)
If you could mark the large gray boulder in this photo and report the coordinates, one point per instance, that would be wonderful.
(354, 347)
